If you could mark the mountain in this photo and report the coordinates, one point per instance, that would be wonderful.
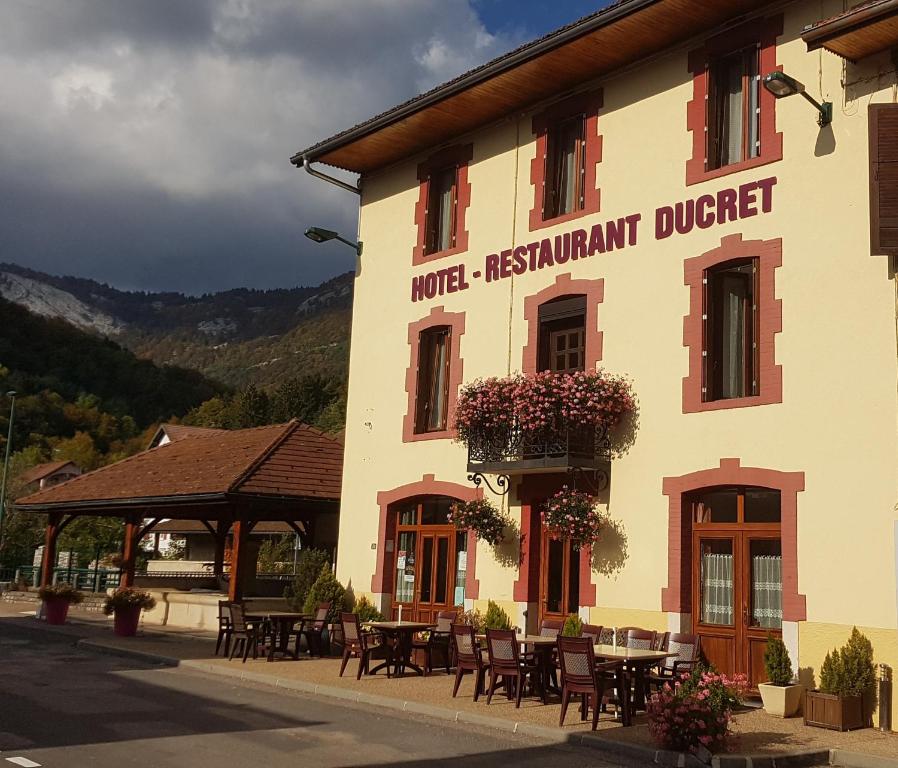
(236, 337)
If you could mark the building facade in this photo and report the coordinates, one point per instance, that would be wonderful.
(626, 194)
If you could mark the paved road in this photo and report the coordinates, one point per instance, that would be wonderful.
(67, 708)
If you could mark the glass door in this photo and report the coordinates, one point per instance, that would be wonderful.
(715, 599)
(559, 578)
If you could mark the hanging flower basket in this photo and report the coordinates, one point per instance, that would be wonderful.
(480, 516)
(571, 514)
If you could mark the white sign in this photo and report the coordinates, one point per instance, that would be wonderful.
(462, 561)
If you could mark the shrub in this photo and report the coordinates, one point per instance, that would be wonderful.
(327, 589)
(496, 618)
(309, 563)
(849, 671)
(777, 663)
(695, 710)
(480, 516)
(473, 618)
(61, 592)
(573, 626)
(367, 611)
(128, 597)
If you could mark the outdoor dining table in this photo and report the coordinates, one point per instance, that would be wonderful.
(400, 633)
(636, 664)
(282, 623)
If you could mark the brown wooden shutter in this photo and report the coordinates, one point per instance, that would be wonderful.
(883, 120)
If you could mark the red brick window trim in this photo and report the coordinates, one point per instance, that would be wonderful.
(544, 124)
(381, 580)
(593, 290)
(769, 310)
(455, 322)
(762, 33)
(457, 157)
(676, 597)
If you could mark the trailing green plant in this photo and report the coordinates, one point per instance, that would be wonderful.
(849, 671)
(367, 611)
(327, 589)
(496, 618)
(573, 626)
(473, 618)
(64, 592)
(309, 563)
(777, 663)
(128, 597)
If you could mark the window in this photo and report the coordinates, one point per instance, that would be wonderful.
(441, 208)
(733, 112)
(884, 179)
(433, 380)
(565, 167)
(562, 334)
(731, 330)
(741, 504)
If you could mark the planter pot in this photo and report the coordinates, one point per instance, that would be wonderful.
(56, 610)
(781, 700)
(126, 620)
(838, 713)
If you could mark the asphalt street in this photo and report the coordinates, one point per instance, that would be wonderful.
(64, 707)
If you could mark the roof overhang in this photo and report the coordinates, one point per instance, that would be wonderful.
(862, 31)
(619, 35)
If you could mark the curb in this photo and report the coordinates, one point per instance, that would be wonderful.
(848, 759)
(98, 646)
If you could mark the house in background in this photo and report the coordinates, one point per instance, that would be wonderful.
(52, 473)
(169, 433)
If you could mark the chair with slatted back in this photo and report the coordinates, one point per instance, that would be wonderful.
(508, 664)
(593, 632)
(437, 639)
(468, 658)
(358, 643)
(224, 627)
(313, 630)
(688, 652)
(581, 674)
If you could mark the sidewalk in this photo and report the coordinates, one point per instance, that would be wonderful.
(758, 734)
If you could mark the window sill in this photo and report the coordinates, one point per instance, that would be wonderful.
(443, 434)
(694, 176)
(426, 258)
(538, 222)
(766, 398)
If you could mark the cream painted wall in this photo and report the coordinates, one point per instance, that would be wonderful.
(837, 423)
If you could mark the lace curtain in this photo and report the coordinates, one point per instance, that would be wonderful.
(717, 589)
(767, 591)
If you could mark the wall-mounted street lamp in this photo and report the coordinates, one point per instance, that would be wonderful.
(319, 235)
(781, 85)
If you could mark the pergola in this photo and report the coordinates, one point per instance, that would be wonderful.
(229, 480)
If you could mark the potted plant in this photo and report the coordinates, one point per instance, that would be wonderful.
(571, 514)
(57, 599)
(780, 694)
(126, 604)
(846, 678)
(480, 516)
(573, 626)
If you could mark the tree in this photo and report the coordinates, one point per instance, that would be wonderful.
(252, 408)
(276, 555)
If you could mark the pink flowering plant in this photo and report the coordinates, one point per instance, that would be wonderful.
(696, 710)
(571, 514)
(480, 516)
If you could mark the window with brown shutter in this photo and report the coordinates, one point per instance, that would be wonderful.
(565, 167)
(431, 406)
(883, 120)
(733, 108)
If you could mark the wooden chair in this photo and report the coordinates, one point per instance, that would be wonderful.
(641, 639)
(468, 658)
(437, 638)
(358, 643)
(581, 673)
(688, 649)
(224, 627)
(593, 632)
(246, 635)
(507, 663)
(313, 630)
(550, 627)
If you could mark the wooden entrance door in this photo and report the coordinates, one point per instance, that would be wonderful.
(559, 578)
(737, 578)
(435, 585)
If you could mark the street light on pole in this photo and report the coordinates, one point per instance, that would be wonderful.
(12, 415)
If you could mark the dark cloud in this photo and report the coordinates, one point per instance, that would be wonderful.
(145, 143)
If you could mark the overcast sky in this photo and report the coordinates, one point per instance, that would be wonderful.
(145, 143)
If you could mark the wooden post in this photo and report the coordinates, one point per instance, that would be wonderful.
(129, 553)
(49, 561)
(221, 538)
(238, 560)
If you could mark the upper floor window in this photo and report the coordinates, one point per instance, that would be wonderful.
(565, 167)
(431, 404)
(731, 330)
(733, 108)
(562, 335)
(441, 210)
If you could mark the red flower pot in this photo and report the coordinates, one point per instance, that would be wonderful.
(126, 621)
(56, 610)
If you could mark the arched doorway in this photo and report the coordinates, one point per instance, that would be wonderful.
(430, 562)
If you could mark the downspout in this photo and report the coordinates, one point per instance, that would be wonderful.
(307, 164)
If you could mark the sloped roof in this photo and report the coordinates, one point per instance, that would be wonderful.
(41, 471)
(865, 29)
(284, 460)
